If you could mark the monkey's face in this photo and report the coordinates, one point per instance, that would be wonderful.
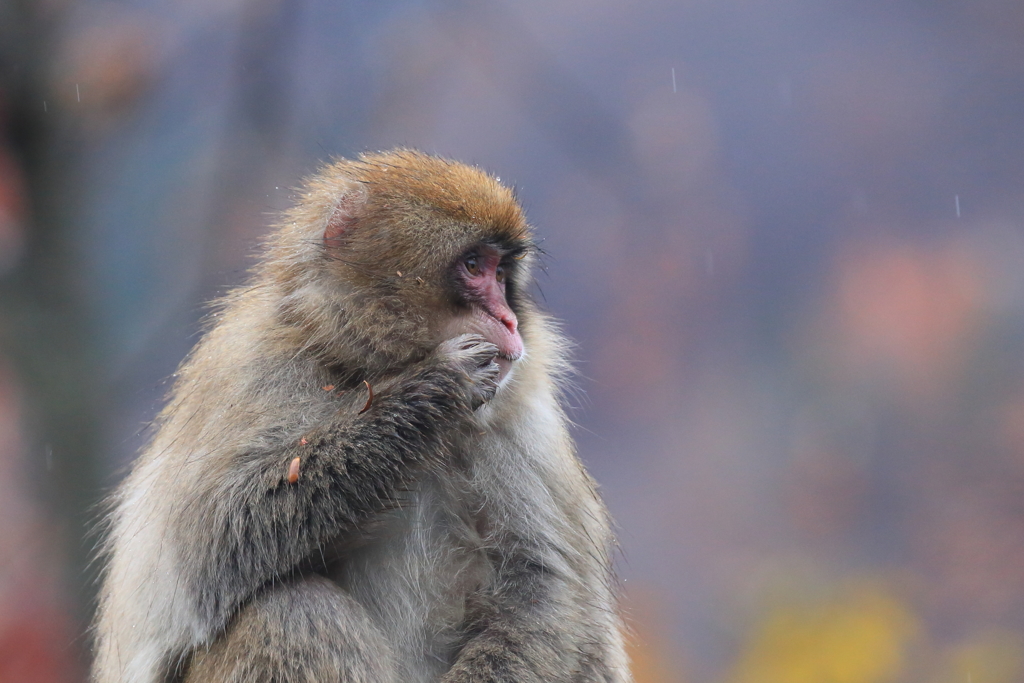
(481, 282)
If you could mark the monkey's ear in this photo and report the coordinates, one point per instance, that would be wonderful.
(346, 213)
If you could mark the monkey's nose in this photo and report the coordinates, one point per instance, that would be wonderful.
(509, 321)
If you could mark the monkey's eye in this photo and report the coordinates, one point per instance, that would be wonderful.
(499, 274)
(472, 265)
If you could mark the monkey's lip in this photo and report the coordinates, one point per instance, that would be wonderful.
(509, 343)
(504, 364)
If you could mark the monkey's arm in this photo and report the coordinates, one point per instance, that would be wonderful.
(549, 611)
(540, 626)
(250, 526)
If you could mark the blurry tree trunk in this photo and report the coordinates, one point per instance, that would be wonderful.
(43, 329)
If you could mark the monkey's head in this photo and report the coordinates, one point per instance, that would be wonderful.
(384, 257)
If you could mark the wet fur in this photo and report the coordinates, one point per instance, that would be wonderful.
(426, 538)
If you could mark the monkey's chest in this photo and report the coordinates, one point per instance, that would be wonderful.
(414, 567)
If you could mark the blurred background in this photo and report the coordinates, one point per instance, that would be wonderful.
(787, 236)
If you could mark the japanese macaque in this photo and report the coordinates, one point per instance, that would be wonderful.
(363, 472)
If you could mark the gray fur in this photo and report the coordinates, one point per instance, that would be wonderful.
(446, 533)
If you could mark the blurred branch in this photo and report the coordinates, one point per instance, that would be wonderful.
(43, 329)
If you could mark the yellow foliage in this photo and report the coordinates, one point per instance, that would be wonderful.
(990, 658)
(861, 637)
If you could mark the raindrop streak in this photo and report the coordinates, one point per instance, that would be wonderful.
(44, 106)
(956, 200)
(709, 262)
(673, 79)
(49, 458)
(78, 94)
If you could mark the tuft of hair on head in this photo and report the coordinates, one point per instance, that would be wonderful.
(464, 193)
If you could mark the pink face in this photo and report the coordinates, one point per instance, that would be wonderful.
(481, 279)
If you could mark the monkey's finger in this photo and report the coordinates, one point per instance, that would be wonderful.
(369, 397)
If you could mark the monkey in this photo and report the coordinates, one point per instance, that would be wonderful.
(363, 471)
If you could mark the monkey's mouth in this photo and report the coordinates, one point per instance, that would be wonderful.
(505, 337)
(509, 350)
(505, 365)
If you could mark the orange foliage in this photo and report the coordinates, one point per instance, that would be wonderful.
(648, 644)
(906, 313)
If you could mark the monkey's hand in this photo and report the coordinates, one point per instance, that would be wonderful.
(472, 357)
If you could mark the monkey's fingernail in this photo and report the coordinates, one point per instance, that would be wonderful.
(293, 470)
(329, 387)
(302, 441)
(369, 399)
